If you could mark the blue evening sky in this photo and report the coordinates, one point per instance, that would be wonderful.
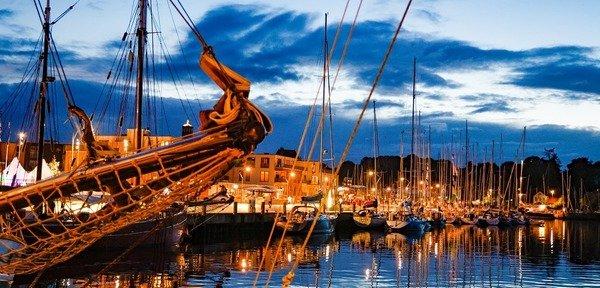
(501, 65)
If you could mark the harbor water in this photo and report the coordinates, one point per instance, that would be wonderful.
(558, 254)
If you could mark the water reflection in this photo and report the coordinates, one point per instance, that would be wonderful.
(557, 254)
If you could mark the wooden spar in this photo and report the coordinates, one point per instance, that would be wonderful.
(43, 91)
(134, 187)
(139, 88)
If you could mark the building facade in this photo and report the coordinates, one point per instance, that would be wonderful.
(283, 178)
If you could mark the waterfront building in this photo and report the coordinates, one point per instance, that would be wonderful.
(276, 177)
(76, 152)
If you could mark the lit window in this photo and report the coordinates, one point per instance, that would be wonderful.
(264, 176)
(264, 162)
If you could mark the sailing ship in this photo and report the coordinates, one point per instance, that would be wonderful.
(138, 186)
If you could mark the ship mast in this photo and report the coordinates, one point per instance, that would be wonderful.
(139, 89)
(43, 91)
(412, 141)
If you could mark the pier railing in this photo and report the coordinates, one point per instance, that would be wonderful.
(264, 207)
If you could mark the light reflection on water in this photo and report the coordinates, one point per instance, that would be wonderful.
(560, 254)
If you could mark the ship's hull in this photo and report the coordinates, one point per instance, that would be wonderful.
(369, 222)
(171, 231)
(407, 226)
(325, 225)
(468, 221)
(488, 221)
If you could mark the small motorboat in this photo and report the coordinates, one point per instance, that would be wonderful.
(456, 221)
(300, 218)
(407, 223)
(518, 218)
(437, 218)
(488, 219)
(368, 218)
(469, 219)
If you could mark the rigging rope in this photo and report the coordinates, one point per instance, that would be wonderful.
(262, 259)
(374, 86)
(289, 278)
(64, 13)
(188, 21)
(339, 65)
(285, 228)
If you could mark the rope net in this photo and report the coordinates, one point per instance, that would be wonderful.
(37, 229)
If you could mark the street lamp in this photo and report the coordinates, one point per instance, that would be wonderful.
(520, 198)
(22, 136)
(292, 174)
(552, 192)
(371, 173)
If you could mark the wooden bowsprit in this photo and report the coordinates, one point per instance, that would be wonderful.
(34, 234)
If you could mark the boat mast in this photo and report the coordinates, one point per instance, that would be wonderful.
(467, 184)
(412, 140)
(139, 89)
(43, 91)
(375, 149)
(322, 119)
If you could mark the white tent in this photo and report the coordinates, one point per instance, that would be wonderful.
(46, 172)
(14, 174)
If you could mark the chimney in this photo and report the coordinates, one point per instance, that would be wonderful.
(187, 129)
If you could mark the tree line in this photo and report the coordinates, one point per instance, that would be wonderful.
(577, 186)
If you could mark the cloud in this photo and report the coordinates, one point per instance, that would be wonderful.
(6, 13)
(429, 15)
(563, 75)
(496, 106)
(280, 52)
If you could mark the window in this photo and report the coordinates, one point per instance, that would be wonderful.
(264, 176)
(250, 161)
(264, 162)
(280, 176)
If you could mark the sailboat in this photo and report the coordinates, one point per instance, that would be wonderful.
(405, 220)
(489, 218)
(407, 223)
(301, 217)
(368, 218)
(138, 186)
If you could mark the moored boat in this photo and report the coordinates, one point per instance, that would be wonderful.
(488, 219)
(518, 218)
(469, 219)
(368, 218)
(407, 223)
(436, 218)
(300, 219)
